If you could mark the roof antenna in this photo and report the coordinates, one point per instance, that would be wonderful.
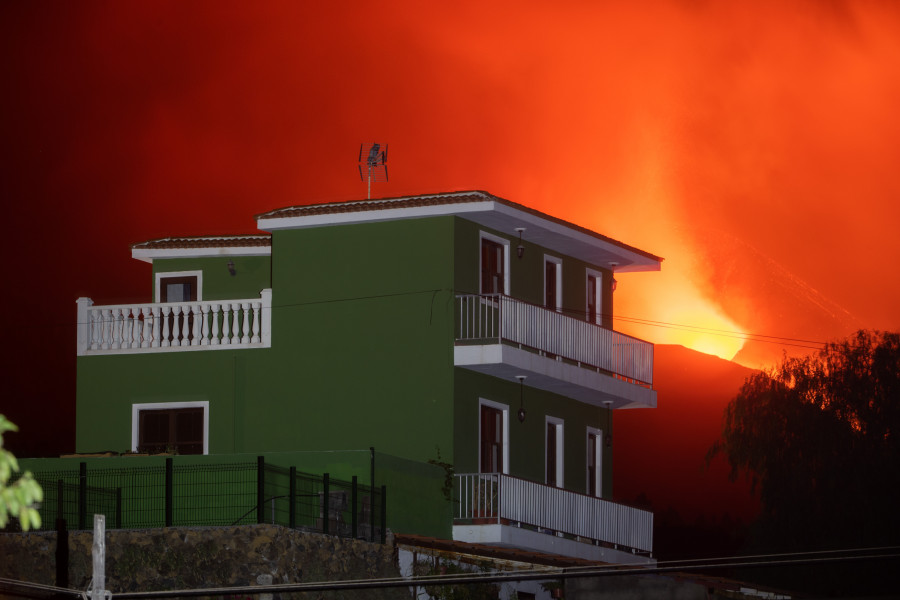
(373, 157)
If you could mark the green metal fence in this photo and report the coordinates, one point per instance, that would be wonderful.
(186, 495)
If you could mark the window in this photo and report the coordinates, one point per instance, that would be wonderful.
(494, 266)
(181, 286)
(594, 462)
(554, 453)
(178, 427)
(594, 297)
(552, 283)
(493, 448)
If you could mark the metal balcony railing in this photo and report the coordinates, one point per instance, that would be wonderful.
(485, 498)
(497, 318)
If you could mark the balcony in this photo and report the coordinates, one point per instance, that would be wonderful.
(502, 510)
(174, 326)
(505, 337)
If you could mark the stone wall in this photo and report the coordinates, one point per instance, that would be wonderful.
(202, 557)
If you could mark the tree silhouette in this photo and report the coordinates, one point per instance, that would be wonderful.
(820, 438)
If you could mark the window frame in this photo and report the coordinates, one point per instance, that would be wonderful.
(559, 277)
(598, 458)
(160, 275)
(598, 289)
(504, 446)
(559, 424)
(504, 244)
(136, 418)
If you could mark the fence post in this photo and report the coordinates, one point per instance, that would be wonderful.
(260, 489)
(326, 502)
(82, 496)
(118, 508)
(169, 492)
(292, 497)
(383, 513)
(371, 493)
(62, 551)
(60, 499)
(354, 509)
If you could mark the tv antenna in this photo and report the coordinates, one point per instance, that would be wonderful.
(372, 167)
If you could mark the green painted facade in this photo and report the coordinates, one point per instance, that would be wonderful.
(361, 356)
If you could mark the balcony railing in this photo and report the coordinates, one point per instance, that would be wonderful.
(486, 498)
(498, 318)
(173, 326)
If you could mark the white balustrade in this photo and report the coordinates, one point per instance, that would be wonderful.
(485, 498)
(497, 318)
(171, 326)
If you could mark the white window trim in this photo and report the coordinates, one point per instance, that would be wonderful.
(598, 291)
(504, 408)
(163, 274)
(560, 463)
(136, 418)
(483, 235)
(558, 263)
(598, 460)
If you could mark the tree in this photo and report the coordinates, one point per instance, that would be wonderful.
(820, 439)
(17, 500)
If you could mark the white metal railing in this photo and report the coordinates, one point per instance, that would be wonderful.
(174, 326)
(499, 498)
(501, 318)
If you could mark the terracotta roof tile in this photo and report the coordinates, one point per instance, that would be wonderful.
(380, 204)
(225, 241)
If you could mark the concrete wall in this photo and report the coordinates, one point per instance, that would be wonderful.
(184, 558)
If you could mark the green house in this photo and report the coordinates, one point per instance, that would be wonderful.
(458, 329)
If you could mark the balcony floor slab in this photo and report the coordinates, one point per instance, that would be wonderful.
(496, 534)
(581, 383)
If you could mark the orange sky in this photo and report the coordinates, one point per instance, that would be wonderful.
(753, 145)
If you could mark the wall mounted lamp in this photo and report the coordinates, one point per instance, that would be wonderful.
(613, 284)
(231, 270)
(521, 413)
(520, 249)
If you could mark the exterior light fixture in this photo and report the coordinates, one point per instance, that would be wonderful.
(613, 284)
(521, 413)
(608, 433)
(231, 270)
(520, 249)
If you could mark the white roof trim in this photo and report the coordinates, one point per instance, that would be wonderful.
(496, 215)
(150, 254)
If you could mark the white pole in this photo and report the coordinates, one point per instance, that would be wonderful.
(98, 552)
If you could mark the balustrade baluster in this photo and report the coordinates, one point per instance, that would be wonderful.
(245, 339)
(105, 328)
(166, 317)
(96, 328)
(257, 308)
(235, 325)
(185, 324)
(226, 324)
(196, 319)
(176, 321)
(154, 326)
(204, 324)
(128, 328)
(142, 330)
(215, 341)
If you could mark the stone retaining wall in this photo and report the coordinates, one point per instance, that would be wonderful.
(202, 557)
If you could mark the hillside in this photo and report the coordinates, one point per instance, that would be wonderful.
(660, 453)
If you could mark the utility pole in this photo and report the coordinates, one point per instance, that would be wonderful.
(98, 553)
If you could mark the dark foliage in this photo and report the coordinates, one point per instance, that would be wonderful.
(820, 438)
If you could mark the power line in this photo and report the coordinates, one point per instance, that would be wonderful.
(825, 557)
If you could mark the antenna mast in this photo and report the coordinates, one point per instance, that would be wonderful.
(373, 157)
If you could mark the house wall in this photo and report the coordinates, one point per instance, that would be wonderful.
(252, 274)
(527, 439)
(527, 273)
